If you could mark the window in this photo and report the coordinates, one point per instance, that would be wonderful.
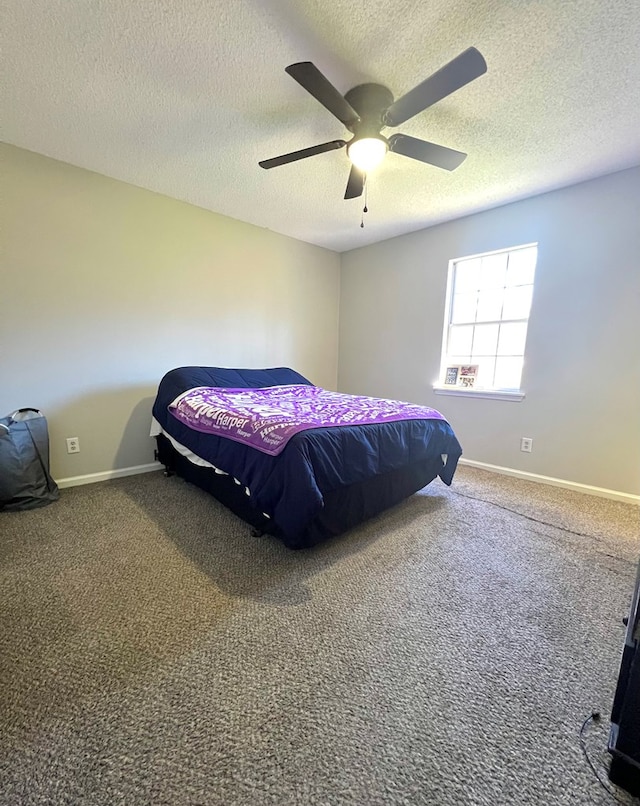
(487, 313)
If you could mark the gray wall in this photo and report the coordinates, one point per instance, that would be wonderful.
(104, 287)
(582, 371)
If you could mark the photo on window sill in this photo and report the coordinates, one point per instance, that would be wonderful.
(461, 376)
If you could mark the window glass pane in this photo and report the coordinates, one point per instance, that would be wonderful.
(522, 265)
(467, 275)
(508, 373)
(464, 308)
(494, 270)
(490, 305)
(517, 302)
(512, 338)
(486, 368)
(460, 340)
(485, 340)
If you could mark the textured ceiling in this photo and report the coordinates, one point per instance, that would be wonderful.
(184, 98)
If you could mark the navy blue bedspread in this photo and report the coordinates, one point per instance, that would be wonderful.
(290, 487)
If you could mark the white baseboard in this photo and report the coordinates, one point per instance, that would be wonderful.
(627, 498)
(91, 478)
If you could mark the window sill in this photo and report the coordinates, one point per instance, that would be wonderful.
(489, 394)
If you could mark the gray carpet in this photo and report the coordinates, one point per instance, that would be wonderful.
(446, 653)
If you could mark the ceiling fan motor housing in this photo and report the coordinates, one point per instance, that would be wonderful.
(370, 101)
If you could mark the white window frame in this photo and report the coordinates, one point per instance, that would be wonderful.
(487, 393)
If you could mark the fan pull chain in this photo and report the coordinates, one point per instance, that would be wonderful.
(365, 209)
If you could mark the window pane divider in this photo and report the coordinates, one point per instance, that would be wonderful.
(490, 322)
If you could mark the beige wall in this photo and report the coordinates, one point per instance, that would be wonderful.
(104, 287)
(582, 372)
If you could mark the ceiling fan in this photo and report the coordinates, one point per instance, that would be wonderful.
(368, 108)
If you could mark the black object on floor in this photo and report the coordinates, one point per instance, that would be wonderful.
(624, 737)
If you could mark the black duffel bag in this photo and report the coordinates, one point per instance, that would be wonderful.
(25, 481)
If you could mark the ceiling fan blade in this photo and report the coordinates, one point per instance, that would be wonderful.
(459, 71)
(309, 77)
(293, 156)
(433, 154)
(355, 185)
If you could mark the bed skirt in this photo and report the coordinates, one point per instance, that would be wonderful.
(343, 508)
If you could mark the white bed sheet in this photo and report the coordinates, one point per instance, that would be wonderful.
(156, 429)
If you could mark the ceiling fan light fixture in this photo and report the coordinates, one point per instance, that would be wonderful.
(366, 153)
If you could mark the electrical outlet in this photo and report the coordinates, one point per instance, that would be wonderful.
(526, 444)
(73, 445)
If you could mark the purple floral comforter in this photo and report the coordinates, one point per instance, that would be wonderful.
(266, 419)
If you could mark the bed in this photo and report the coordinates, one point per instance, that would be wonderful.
(324, 479)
